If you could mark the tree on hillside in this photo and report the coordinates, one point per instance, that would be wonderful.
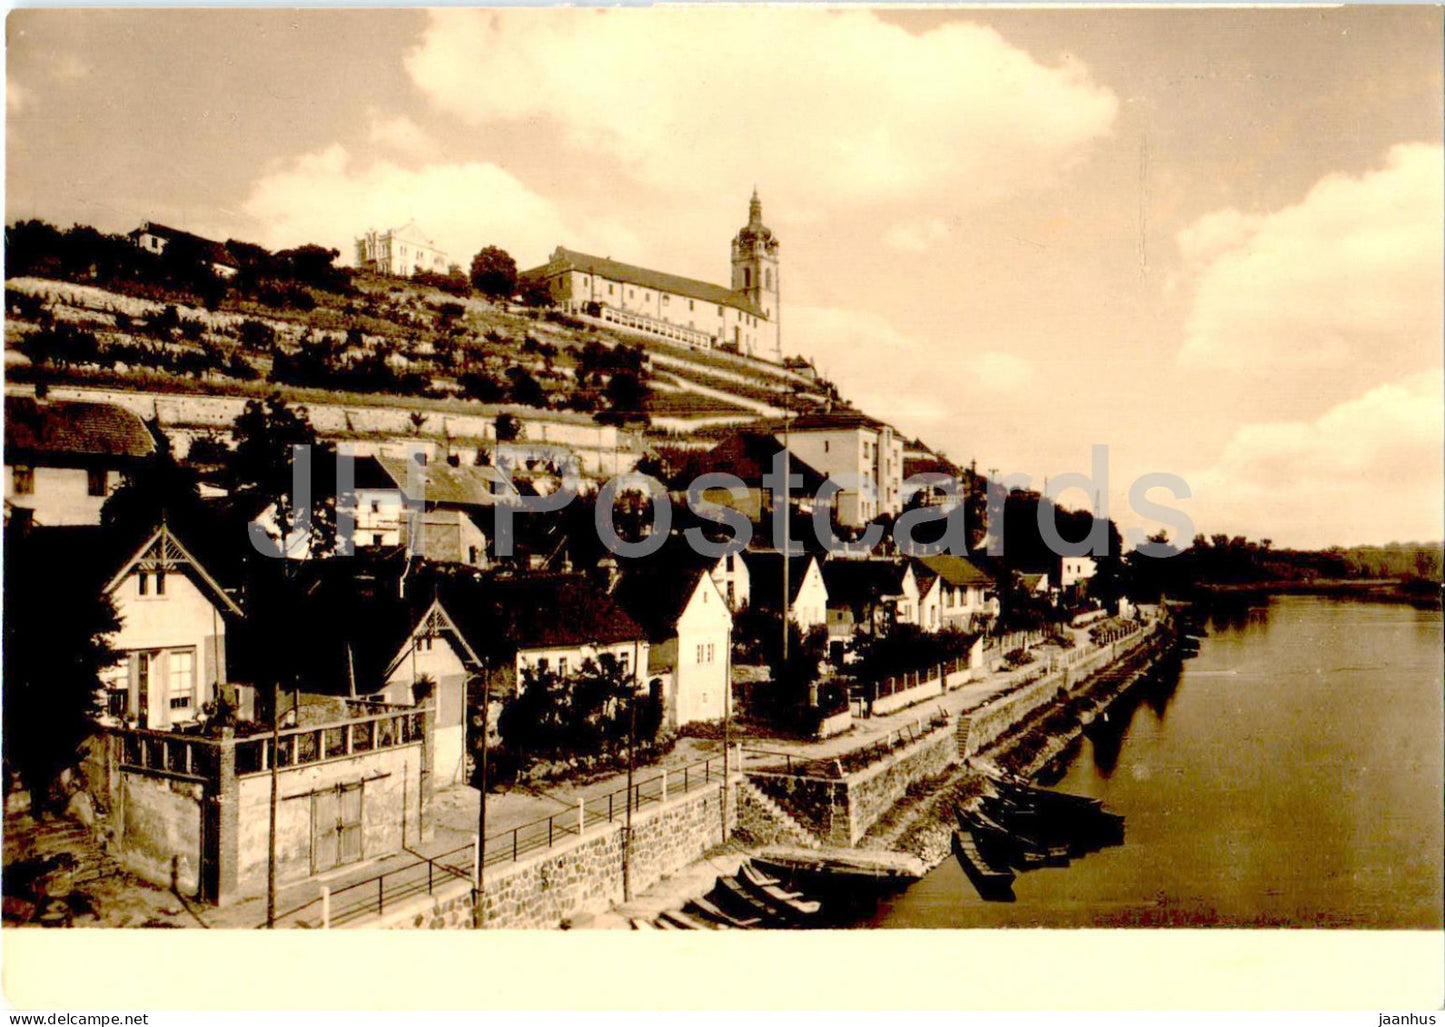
(57, 643)
(494, 273)
(535, 292)
(261, 466)
(159, 489)
(508, 427)
(525, 390)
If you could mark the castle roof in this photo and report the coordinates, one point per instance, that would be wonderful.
(564, 259)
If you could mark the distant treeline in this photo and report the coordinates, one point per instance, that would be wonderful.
(1224, 560)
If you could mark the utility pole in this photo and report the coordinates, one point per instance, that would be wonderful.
(275, 786)
(478, 916)
(727, 731)
(787, 509)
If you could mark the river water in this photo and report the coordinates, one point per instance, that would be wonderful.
(1289, 776)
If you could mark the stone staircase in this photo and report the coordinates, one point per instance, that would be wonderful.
(52, 856)
(778, 827)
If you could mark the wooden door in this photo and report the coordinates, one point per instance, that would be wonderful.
(348, 823)
(325, 843)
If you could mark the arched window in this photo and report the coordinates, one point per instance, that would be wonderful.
(747, 278)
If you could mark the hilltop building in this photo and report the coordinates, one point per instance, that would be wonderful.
(400, 251)
(154, 237)
(742, 317)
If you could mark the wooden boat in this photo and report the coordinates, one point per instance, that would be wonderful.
(792, 902)
(998, 845)
(993, 884)
(682, 921)
(750, 874)
(1023, 850)
(638, 924)
(750, 904)
(665, 925)
(711, 911)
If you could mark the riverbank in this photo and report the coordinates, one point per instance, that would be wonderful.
(923, 823)
(920, 823)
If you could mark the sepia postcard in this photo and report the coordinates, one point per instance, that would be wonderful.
(720, 469)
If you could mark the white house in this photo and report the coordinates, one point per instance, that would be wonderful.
(863, 455)
(807, 592)
(1074, 569)
(400, 251)
(173, 634)
(435, 651)
(690, 627)
(967, 593)
(64, 459)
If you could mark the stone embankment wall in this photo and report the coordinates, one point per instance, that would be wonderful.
(839, 811)
(988, 723)
(581, 876)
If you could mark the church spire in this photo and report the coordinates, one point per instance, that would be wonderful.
(755, 209)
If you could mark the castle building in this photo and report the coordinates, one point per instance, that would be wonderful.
(742, 318)
(401, 251)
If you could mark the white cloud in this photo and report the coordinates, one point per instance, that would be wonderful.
(1367, 470)
(1001, 372)
(819, 108)
(1350, 274)
(917, 236)
(875, 366)
(328, 198)
(401, 135)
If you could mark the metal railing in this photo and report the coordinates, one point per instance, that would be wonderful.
(611, 807)
(372, 895)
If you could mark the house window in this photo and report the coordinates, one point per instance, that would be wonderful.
(609, 288)
(622, 662)
(143, 583)
(95, 482)
(376, 540)
(689, 304)
(562, 666)
(719, 311)
(160, 582)
(23, 479)
(182, 674)
(543, 664)
(826, 445)
(143, 683)
(709, 652)
(699, 653)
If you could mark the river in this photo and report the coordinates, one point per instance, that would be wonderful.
(1289, 776)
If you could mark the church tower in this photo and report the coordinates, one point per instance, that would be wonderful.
(755, 270)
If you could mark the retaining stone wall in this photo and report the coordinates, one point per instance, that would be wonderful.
(582, 876)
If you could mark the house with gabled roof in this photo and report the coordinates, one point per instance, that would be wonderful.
(968, 592)
(689, 628)
(174, 618)
(63, 459)
(869, 595)
(541, 622)
(807, 591)
(156, 238)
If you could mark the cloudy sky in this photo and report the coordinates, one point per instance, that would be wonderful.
(1209, 240)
